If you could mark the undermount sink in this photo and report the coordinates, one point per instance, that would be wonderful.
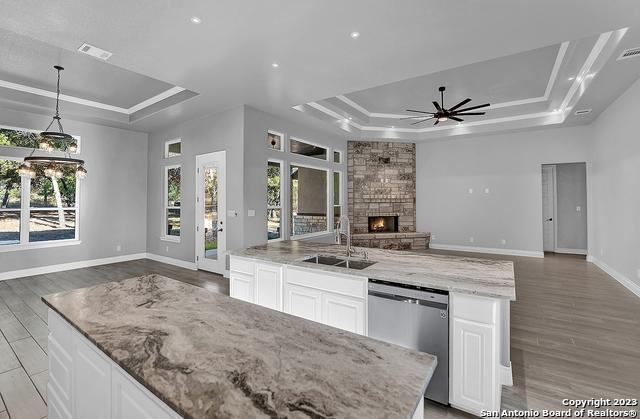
(339, 262)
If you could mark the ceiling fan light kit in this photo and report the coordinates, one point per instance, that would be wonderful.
(46, 142)
(443, 114)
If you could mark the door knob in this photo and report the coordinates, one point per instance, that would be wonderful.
(550, 219)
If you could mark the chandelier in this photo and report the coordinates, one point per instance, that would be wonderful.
(49, 141)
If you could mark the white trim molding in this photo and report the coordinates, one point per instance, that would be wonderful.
(632, 286)
(172, 261)
(506, 375)
(69, 266)
(490, 250)
(570, 251)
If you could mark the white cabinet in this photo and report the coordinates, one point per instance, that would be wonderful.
(475, 350)
(130, 401)
(242, 286)
(85, 383)
(268, 285)
(303, 302)
(91, 382)
(332, 299)
(343, 312)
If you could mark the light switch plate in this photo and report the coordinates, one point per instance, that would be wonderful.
(486, 190)
(504, 241)
(470, 190)
(578, 208)
(251, 213)
(471, 239)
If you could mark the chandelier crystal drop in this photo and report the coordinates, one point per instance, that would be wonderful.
(50, 140)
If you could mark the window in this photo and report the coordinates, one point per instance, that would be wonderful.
(337, 156)
(308, 212)
(28, 139)
(43, 209)
(274, 200)
(172, 194)
(172, 148)
(274, 139)
(307, 149)
(337, 196)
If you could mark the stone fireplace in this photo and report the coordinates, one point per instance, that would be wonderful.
(383, 224)
(382, 195)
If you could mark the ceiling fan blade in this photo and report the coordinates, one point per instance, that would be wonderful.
(414, 117)
(436, 123)
(464, 102)
(419, 122)
(411, 110)
(470, 113)
(455, 119)
(437, 105)
(474, 107)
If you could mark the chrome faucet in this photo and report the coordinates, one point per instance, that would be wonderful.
(339, 234)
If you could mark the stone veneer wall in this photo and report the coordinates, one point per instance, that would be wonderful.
(381, 181)
(305, 224)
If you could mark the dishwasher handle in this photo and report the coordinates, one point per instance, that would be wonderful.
(402, 299)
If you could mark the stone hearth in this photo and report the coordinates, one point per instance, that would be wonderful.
(382, 183)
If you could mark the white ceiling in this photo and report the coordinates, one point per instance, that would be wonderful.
(227, 58)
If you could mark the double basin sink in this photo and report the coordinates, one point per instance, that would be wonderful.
(339, 262)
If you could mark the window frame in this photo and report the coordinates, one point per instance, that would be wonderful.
(328, 205)
(25, 216)
(35, 131)
(340, 194)
(282, 141)
(283, 176)
(328, 158)
(166, 148)
(165, 204)
(341, 153)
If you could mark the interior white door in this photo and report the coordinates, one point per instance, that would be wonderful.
(548, 208)
(211, 221)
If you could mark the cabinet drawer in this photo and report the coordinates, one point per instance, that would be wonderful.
(341, 284)
(473, 308)
(242, 265)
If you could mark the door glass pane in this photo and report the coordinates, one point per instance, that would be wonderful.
(308, 200)
(210, 189)
(52, 225)
(9, 227)
(273, 223)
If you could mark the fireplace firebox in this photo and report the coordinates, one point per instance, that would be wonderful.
(383, 224)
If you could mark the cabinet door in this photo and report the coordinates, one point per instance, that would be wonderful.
(269, 286)
(343, 312)
(91, 382)
(129, 401)
(241, 286)
(303, 302)
(474, 366)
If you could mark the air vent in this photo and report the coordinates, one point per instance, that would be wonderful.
(95, 52)
(629, 53)
(583, 111)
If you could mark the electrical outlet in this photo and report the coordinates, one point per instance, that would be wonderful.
(470, 190)
(166, 249)
(471, 239)
(486, 190)
(118, 248)
(601, 251)
(638, 273)
(503, 241)
(578, 208)
(433, 237)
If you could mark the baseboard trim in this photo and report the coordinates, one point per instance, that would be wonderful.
(571, 251)
(172, 261)
(628, 283)
(41, 270)
(491, 250)
(506, 375)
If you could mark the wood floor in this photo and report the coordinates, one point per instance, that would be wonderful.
(575, 333)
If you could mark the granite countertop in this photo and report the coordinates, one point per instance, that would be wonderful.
(486, 277)
(210, 356)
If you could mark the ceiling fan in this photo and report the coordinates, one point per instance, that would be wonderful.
(442, 114)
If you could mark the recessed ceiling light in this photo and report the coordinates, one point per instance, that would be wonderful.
(350, 118)
(355, 35)
(275, 65)
(196, 20)
(571, 78)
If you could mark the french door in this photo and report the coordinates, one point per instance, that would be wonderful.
(211, 222)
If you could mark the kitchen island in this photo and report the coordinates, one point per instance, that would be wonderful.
(283, 276)
(153, 347)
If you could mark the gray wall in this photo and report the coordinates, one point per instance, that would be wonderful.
(571, 186)
(509, 165)
(256, 125)
(113, 203)
(615, 180)
(223, 131)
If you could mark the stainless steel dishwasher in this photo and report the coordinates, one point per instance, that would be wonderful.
(416, 318)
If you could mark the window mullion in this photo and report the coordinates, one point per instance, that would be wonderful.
(25, 204)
